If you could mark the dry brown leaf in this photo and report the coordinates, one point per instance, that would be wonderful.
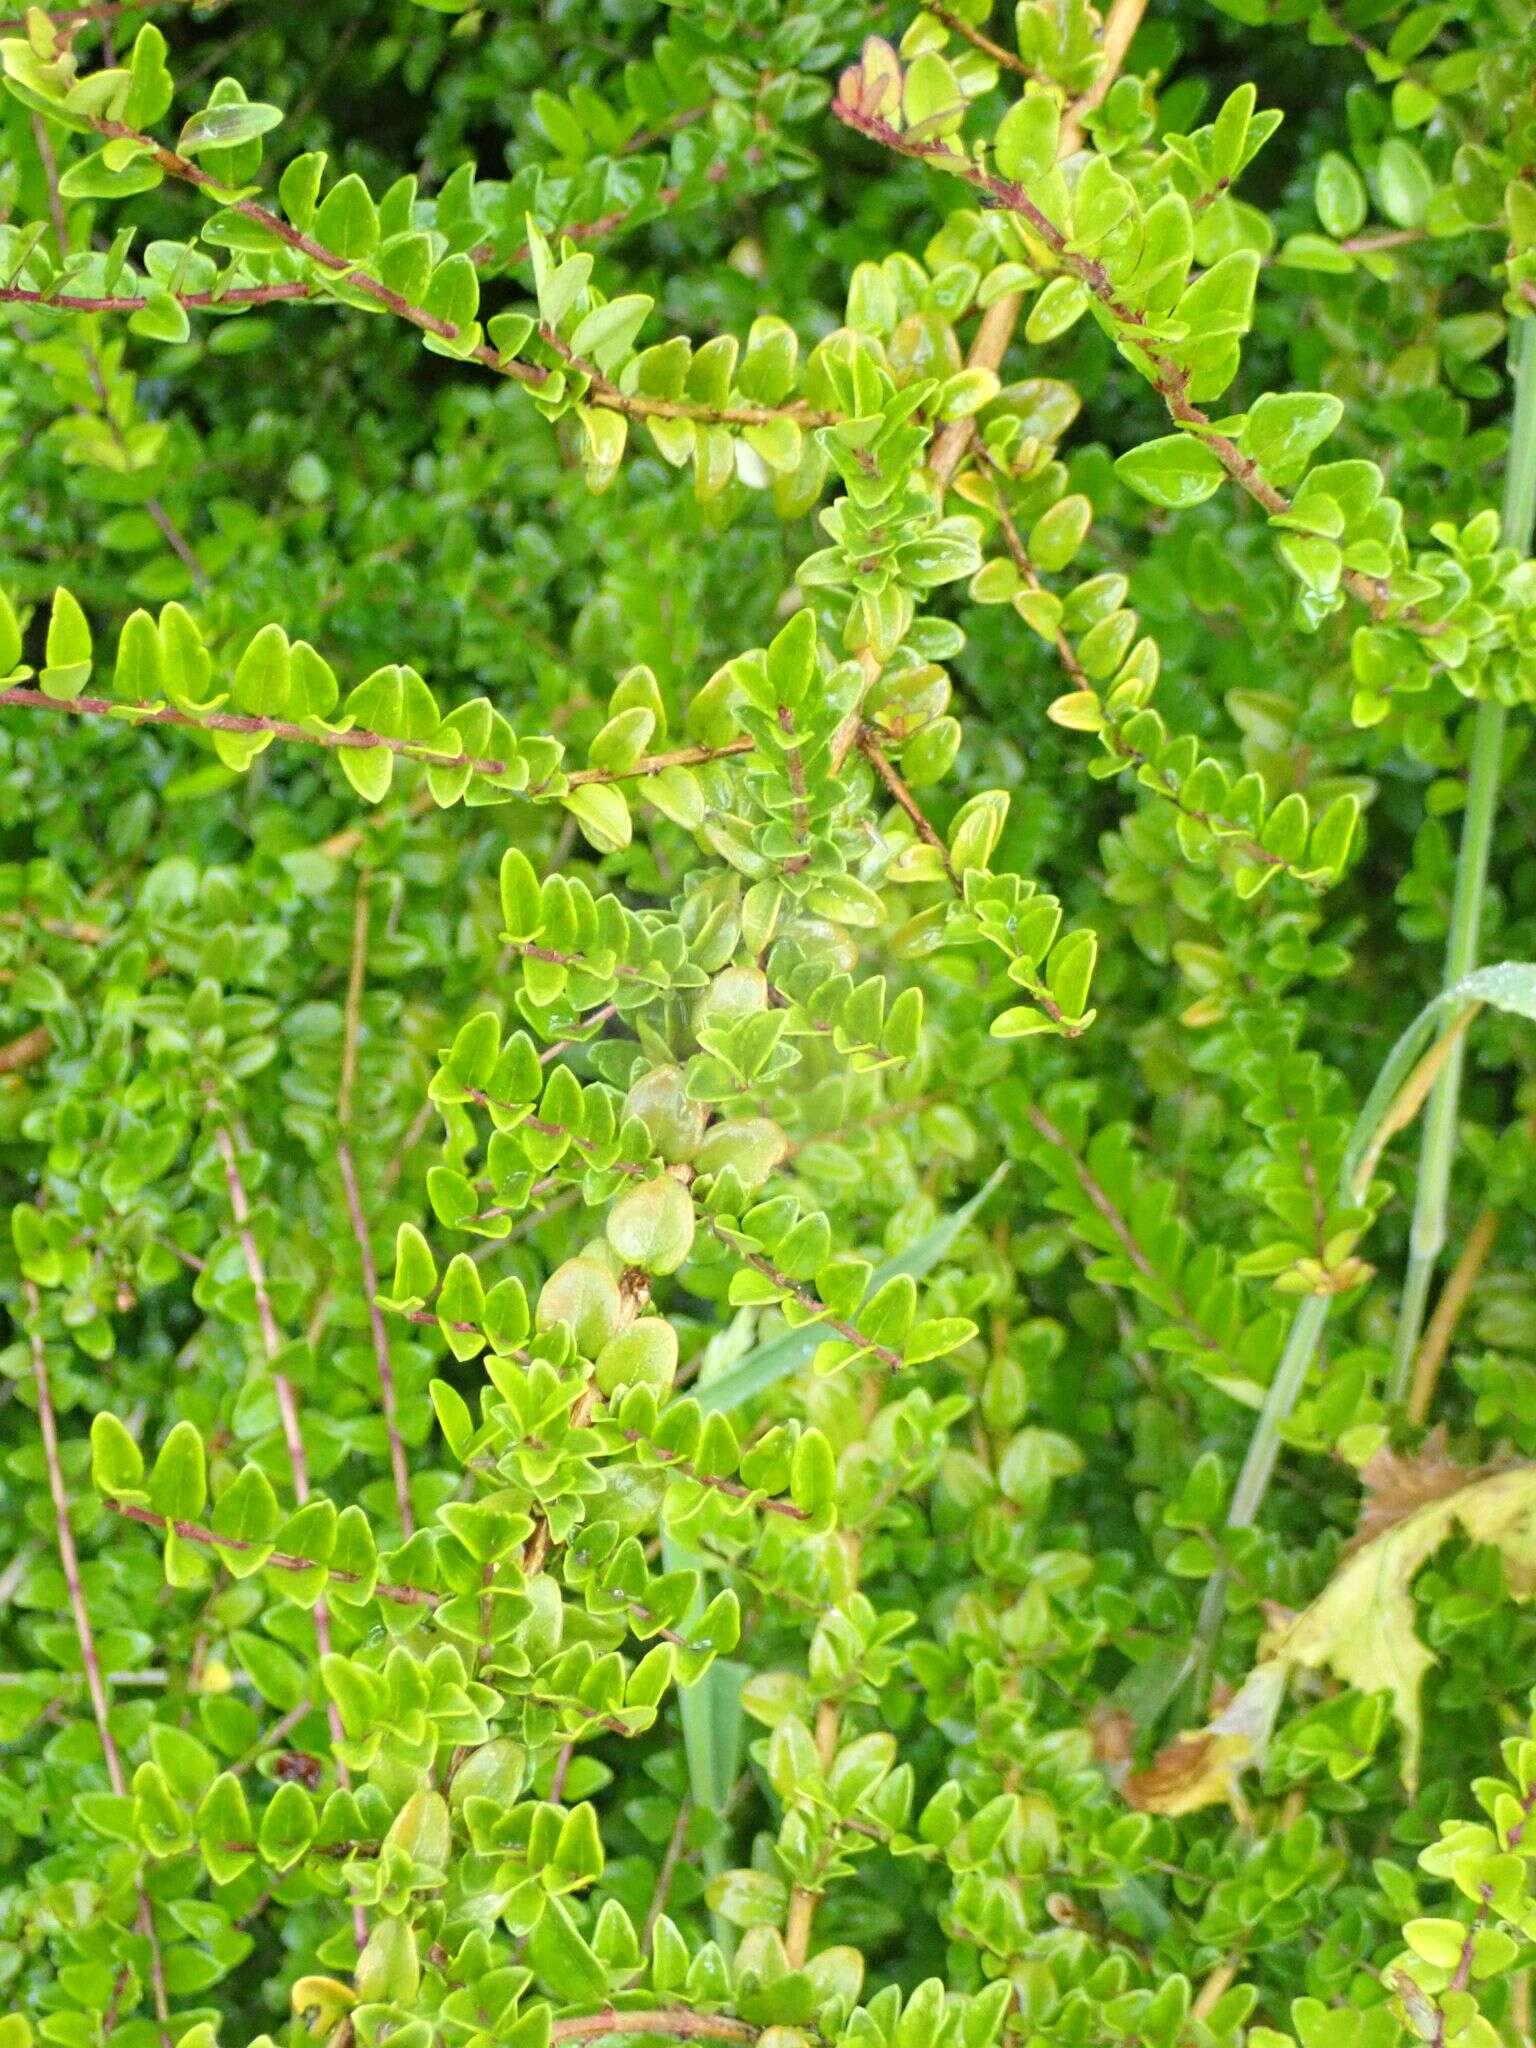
(1201, 1768)
(1113, 1734)
(1397, 1486)
(1187, 1773)
(1360, 1627)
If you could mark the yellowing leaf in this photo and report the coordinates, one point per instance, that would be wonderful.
(1361, 1625)
(1360, 1629)
(1202, 1768)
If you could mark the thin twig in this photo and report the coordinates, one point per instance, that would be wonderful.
(273, 1560)
(667, 1871)
(69, 1559)
(1170, 379)
(358, 737)
(1442, 1325)
(870, 748)
(600, 392)
(1001, 317)
(1120, 26)
(1009, 59)
(25, 1051)
(985, 353)
(356, 1213)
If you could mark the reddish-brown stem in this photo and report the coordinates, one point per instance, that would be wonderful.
(794, 767)
(1154, 780)
(870, 748)
(135, 302)
(276, 1560)
(662, 1888)
(957, 25)
(420, 1124)
(849, 1332)
(680, 1465)
(1169, 378)
(355, 1211)
(598, 392)
(597, 1019)
(1125, 1237)
(356, 738)
(69, 1559)
(271, 1340)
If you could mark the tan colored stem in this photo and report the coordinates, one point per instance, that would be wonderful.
(1001, 317)
(975, 37)
(25, 1051)
(802, 1900)
(1214, 1989)
(356, 1214)
(869, 747)
(1409, 1099)
(986, 353)
(1120, 26)
(679, 2024)
(69, 1559)
(354, 738)
(1448, 1310)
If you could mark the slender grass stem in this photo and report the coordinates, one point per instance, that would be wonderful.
(1427, 1234)
(1440, 1118)
(1259, 1463)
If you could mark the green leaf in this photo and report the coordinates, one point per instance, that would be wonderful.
(161, 318)
(602, 811)
(151, 87)
(10, 639)
(1177, 471)
(178, 1485)
(1404, 183)
(1282, 430)
(348, 221)
(1338, 192)
(564, 1959)
(68, 660)
(287, 1827)
(606, 334)
(1028, 137)
(117, 1464)
(224, 127)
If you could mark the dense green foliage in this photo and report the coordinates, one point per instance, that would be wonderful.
(741, 749)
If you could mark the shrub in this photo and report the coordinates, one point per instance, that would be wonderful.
(737, 745)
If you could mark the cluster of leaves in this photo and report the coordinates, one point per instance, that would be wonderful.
(730, 735)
